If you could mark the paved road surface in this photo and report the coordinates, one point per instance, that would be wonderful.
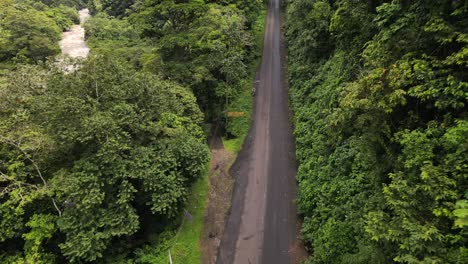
(262, 226)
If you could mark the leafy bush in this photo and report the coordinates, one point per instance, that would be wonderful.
(65, 17)
(77, 148)
(28, 34)
(379, 96)
(30, 31)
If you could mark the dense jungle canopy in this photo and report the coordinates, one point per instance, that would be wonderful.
(379, 92)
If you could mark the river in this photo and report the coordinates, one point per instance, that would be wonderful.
(73, 41)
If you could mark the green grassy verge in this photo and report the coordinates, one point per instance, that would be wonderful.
(239, 126)
(186, 248)
(183, 242)
(259, 31)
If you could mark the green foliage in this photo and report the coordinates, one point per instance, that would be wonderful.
(93, 160)
(30, 31)
(239, 126)
(203, 46)
(82, 145)
(65, 17)
(119, 38)
(379, 94)
(183, 239)
(250, 8)
(461, 213)
(30, 34)
(116, 8)
(78, 4)
(42, 228)
(102, 27)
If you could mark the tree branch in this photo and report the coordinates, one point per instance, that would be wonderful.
(36, 167)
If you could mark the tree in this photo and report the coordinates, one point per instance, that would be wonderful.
(107, 133)
(379, 112)
(30, 34)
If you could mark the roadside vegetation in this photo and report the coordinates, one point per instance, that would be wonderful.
(237, 127)
(182, 238)
(379, 91)
(98, 164)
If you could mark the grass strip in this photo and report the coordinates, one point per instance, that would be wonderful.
(239, 126)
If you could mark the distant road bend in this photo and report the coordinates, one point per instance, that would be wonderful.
(262, 226)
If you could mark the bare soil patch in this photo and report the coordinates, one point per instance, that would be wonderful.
(220, 193)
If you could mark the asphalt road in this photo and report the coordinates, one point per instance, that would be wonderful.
(262, 225)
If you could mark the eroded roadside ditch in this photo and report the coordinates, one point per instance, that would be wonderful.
(221, 185)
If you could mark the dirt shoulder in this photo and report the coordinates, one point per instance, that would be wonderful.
(220, 193)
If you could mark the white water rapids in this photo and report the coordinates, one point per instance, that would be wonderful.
(73, 43)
